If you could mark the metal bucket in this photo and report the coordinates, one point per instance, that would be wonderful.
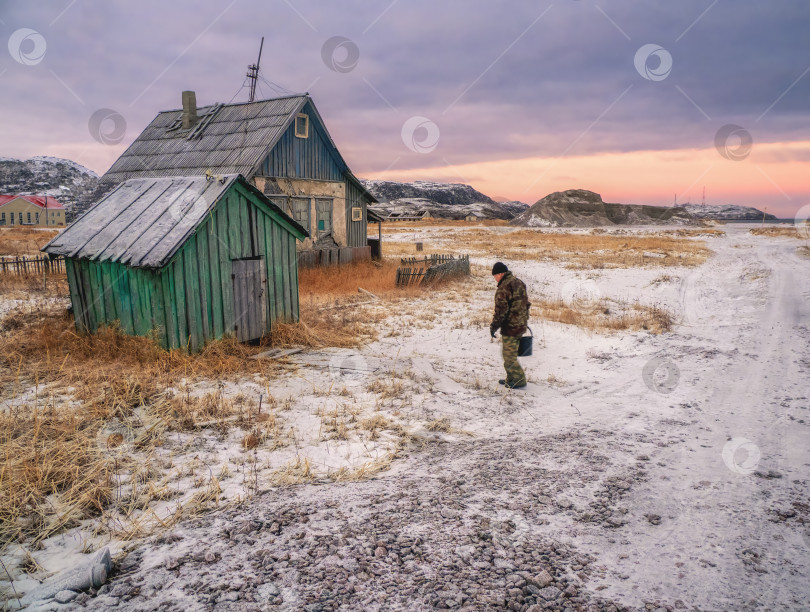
(525, 344)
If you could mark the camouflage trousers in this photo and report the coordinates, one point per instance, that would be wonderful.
(514, 373)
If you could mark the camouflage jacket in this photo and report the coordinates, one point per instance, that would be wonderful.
(511, 307)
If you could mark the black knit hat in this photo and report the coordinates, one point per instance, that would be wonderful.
(499, 268)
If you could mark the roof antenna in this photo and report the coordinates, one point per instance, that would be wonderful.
(253, 73)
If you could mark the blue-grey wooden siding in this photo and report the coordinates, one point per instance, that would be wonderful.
(306, 158)
(355, 230)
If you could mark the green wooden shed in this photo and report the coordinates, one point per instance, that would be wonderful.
(189, 259)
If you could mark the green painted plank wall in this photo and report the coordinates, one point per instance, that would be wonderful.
(190, 300)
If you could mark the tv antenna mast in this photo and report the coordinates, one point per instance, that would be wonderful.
(704, 197)
(253, 73)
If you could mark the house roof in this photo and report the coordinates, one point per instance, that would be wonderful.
(374, 215)
(41, 201)
(227, 139)
(143, 222)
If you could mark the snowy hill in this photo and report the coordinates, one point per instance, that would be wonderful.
(728, 212)
(444, 200)
(583, 208)
(70, 183)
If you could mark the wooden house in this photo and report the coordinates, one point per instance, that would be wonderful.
(189, 259)
(31, 210)
(281, 146)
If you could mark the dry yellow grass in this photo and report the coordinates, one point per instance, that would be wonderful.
(605, 316)
(586, 251)
(53, 285)
(377, 277)
(54, 471)
(782, 231)
(20, 241)
(401, 226)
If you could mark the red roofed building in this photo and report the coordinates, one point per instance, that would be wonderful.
(31, 211)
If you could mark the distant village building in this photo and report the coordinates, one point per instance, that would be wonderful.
(31, 211)
(281, 146)
(187, 259)
(417, 216)
(474, 216)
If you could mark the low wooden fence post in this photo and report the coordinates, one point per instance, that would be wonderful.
(25, 266)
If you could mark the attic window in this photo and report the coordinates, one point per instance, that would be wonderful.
(302, 125)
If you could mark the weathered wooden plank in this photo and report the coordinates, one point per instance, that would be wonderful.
(74, 283)
(294, 306)
(277, 264)
(234, 227)
(179, 288)
(192, 287)
(210, 228)
(110, 301)
(204, 277)
(244, 225)
(169, 317)
(223, 232)
(286, 266)
(139, 325)
(89, 285)
(268, 298)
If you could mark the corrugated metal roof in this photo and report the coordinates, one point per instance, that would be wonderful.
(232, 139)
(144, 221)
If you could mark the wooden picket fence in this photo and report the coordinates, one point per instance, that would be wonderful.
(434, 268)
(32, 266)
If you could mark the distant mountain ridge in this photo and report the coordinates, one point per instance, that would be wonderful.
(583, 208)
(727, 212)
(442, 200)
(68, 182)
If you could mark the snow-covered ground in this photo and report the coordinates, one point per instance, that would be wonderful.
(635, 471)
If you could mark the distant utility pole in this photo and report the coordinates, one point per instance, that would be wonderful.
(253, 73)
(704, 197)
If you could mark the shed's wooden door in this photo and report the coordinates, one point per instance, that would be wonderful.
(248, 298)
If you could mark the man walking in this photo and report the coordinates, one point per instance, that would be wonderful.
(511, 317)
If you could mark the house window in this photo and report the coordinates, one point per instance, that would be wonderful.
(21, 221)
(357, 213)
(299, 210)
(11, 218)
(323, 210)
(37, 218)
(302, 125)
(2, 218)
(29, 218)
